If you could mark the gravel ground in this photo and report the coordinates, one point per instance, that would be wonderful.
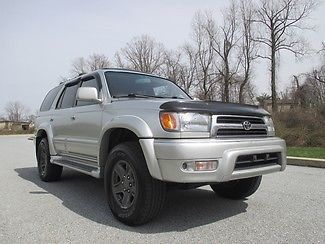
(289, 207)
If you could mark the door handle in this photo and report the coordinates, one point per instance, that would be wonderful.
(73, 117)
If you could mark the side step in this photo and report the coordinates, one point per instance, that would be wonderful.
(76, 164)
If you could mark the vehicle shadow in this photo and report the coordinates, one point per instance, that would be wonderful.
(184, 209)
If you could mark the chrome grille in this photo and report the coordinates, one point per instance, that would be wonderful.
(236, 120)
(232, 126)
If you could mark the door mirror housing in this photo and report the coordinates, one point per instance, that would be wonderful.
(88, 94)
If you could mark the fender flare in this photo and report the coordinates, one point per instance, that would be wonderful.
(133, 123)
(141, 129)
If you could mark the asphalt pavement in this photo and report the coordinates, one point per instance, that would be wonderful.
(289, 207)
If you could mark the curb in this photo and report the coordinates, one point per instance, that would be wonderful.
(309, 162)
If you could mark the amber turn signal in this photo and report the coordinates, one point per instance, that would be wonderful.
(169, 121)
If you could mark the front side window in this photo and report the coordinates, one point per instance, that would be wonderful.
(49, 99)
(68, 97)
(123, 84)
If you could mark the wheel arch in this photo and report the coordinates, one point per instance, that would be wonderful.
(111, 138)
(121, 129)
(44, 131)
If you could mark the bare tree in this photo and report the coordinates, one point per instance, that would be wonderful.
(319, 74)
(225, 40)
(143, 54)
(95, 61)
(248, 48)
(98, 61)
(263, 98)
(188, 77)
(315, 81)
(2, 117)
(307, 92)
(279, 22)
(297, 90)
(205, 65)
(172, 66)
(180, 66)
(79, 66)
(16, 111)
(308, 89)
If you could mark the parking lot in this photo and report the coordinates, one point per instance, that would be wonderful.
(289, 207)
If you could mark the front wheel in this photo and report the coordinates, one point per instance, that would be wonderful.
(133, 195)
(237, 189)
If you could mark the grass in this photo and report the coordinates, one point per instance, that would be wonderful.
(307, 152)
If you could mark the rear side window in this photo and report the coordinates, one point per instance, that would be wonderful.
(49, 98)
(68, 96)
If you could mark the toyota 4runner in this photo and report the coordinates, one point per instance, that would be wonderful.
(144, 135)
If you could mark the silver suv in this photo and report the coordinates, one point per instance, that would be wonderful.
(144, 135)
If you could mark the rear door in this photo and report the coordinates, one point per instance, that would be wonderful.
(47, 111)
(86, 125)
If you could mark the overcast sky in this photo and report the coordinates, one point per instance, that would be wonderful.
(39, 39)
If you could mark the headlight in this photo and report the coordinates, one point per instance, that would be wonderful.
(270, 126)
(187, 122)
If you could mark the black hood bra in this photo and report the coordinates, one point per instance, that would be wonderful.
(217, 108)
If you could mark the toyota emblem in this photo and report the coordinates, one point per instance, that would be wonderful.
(247, 125)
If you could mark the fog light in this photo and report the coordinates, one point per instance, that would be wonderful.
(200, 165)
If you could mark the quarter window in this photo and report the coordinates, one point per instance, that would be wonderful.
(49, 98)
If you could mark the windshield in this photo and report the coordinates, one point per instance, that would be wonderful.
(121, 84)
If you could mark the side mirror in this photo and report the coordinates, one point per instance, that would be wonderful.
(88, 94)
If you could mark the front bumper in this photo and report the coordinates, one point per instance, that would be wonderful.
(165, 158)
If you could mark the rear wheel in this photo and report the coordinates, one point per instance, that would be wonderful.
(133, 195)
(47, 171)
(237, 189)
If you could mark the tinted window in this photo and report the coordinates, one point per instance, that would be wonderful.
(48, 100)
(68, 98)
(123, 84)
(89, 83)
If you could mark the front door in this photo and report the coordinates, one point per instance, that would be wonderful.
(86, 125)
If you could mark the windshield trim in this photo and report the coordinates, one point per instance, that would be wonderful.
(145, 74)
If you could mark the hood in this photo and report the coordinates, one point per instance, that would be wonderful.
(214, 108)
(139, 103)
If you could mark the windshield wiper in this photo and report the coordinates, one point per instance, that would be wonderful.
(144, 96)
(174, 97)
(135, 95)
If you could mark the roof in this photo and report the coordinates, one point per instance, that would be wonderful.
(108, 69)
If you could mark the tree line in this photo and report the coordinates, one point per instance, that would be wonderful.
(219, 60)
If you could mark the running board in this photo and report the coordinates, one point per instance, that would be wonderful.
(77, 165)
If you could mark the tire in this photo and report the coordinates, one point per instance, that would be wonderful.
(46, 170)
(138, 198)
(237, 189)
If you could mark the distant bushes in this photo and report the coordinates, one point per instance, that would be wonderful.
(301, 127)
(15, 132)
